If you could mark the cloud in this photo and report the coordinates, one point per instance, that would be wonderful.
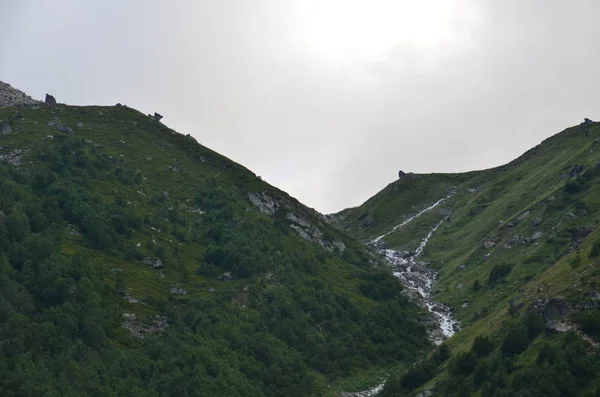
(445, 86)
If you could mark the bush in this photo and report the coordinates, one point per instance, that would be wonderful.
(516, 341)
(482, 346)
(534, 323)
(499, 273)
(589, 322)
(418, 375)
(595, 250)
(442, 353)
(476, 286)
(464, 364)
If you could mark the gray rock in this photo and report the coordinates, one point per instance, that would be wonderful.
(523, 216)
(536, 222)
(266, 204)
(5, 128)
(175, 290)
(488, 244)
(156, 117)
(556, 326)
(401, 174)
(50, 101)
(13, 158)
(461, 268)
(56, 123)
(139, 330)
(226, 276)
(154, 264)
(537, 236)
(552, 308)
(10, 96)
(586, 123)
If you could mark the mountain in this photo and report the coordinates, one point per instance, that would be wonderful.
(136, 262)
(511, 253)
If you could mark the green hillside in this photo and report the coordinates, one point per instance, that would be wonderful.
(517, 252)
(136, 262)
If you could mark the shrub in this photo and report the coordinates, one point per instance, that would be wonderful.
(418, 375)
(595, 250)
(516, 341)
(499, 273)
(534, 323)
(442, 353)
(464, 364)
(483, 345)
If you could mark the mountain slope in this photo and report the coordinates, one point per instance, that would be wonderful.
(513, 240)
(134, 261)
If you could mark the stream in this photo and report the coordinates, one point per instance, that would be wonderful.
(418, 280)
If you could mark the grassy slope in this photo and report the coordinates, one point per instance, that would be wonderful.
(482, 208)
(139, 145)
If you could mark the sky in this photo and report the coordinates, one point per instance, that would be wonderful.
(325, 99)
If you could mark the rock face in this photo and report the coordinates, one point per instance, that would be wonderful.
(309, 232)
(156, 117)
(555, 326)
(140, 330)
(50, 101)
(552, 308)
(10, 96)
(586, 123)
(266, 204)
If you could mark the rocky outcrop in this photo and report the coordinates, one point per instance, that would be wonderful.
(227, 276)
(586, 123)
(557, 326)
(10, 96)
(266, 204)
(401, 174)
(13, 158)
(140, 330)
(309, 232)
(59, 125)
(175, 290)
(552, 308)
(157, 117)
(153, 263)
(50, 101)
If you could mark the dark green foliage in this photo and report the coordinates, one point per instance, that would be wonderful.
(534, 323)
(589, 322)
(464, 363)
(515, 341)
(442, 353)
(595, 250)
(418, 375)
(476, 286)
(295, 317)
(483, 345)
(499, 273)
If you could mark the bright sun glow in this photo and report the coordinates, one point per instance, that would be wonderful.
(363, 30)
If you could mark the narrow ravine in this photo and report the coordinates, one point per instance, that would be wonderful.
(418, 280)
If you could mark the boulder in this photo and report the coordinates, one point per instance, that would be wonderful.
(50, 101)
(226, 276)
(401, 174)
(488, 244)
(5, 128)
(586, 123)
(368, 221)
(556, 326)
(153, 263)
(537, 236)
(156, 117)
(536, 222)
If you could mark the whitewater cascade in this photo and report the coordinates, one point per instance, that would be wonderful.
(418, 280)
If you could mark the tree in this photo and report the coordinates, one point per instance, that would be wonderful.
(483, 345)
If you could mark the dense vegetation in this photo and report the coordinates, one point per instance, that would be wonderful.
(524, 365)
(81, 219)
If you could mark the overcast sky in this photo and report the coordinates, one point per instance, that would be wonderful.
(326, 99)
